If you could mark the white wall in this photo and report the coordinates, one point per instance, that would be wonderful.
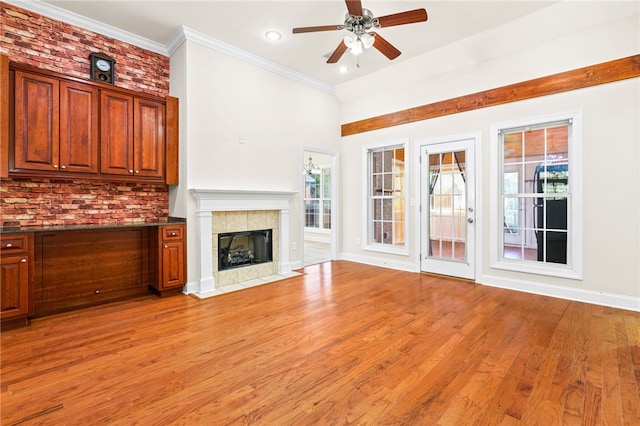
(611, 135)
(243, 127)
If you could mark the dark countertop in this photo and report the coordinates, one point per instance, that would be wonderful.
(88, 226)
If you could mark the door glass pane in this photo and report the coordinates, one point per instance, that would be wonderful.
(447, 206)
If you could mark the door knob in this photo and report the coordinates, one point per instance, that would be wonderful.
(470, 220)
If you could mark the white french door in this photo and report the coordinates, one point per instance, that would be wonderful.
(447, 188)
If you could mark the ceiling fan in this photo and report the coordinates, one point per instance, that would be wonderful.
(359, 21)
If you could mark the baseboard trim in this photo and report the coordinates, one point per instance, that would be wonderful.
(374, 261)
(191, 287)
(575, 294)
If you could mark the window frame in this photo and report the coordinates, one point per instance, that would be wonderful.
(573, 268)
(321, 200)
(369, 245)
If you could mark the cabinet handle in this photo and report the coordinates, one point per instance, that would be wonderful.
(131, 171)
(63, 167)
(137, 171)
(9, 245)
(55, 166)
(166, 246)
(97, 291)
(173, 234)
(24, 261)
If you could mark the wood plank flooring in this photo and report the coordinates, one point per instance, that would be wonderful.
(344, 343)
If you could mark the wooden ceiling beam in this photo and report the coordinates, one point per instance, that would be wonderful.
(593, 75)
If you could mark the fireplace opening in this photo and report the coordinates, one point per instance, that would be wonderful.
(245, 248)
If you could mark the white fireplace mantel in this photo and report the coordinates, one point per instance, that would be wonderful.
(215, 200)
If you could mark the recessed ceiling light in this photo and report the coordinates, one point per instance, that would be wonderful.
(273, 35)
(343, 69)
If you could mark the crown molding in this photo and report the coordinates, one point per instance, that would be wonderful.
(186, 33)
(54, 12)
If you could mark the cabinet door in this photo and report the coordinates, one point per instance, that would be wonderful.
(149, 138)
(172, 264)
(78, 128)
(36, 122)
(14, 286)
(116, 133)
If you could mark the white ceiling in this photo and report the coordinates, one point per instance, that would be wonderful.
(243, 24)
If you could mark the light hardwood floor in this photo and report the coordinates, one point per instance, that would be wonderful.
(342, 344)
(315, 253)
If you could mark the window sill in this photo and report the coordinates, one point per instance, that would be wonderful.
(401, 251)
(317, 230)
(530, 267)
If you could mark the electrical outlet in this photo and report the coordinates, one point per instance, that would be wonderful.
(294, 246)
(358, 240)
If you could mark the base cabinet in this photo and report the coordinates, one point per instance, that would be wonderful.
(171, 253)
(89, 267)
(16, 265)
(50, 271)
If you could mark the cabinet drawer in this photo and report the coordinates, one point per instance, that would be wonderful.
(172, 233)
(13, 243)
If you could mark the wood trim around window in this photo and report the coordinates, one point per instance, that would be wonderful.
(606, 72)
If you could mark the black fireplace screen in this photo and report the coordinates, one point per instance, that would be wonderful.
(237, 249)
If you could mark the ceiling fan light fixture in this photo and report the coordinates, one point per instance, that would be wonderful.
(350, 40)
(357, 48)
(367, 40)
(358, 42)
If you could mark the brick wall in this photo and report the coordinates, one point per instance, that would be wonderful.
(27, 202)
(56, 46)
(30, 38)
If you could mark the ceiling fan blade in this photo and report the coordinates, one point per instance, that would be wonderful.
(385, 47)
(337, 54)
(354, 7)
(408, 17)
(320, 28)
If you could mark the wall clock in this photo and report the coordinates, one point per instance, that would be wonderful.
(102, 68)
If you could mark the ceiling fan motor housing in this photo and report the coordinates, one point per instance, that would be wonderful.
(360, 24)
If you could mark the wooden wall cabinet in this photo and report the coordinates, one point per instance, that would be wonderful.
(148, 138)
(56, 125)
(116, 133)
(171, 257)
(131, 136)
(16, 272)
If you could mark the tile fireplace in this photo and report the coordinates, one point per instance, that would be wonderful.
(225, 211)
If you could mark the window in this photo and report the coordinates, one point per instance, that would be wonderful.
(386, 199)
(536, 196)
(317, 199)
